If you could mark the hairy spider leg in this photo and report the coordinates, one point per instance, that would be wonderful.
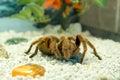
(77, 44)
(33, 43)
(85, 41)
(95, 51)
(71, 38)
(37, 47)
(65, 47)
(57, 52)
(76, 51)
(82, 39)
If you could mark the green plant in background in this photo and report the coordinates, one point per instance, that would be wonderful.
(101, 3)
(88, 3)
(61, 12)
(32, 10)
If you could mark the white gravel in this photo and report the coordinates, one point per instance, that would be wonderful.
(91, 69)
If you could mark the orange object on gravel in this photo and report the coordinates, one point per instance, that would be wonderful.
(29, 70)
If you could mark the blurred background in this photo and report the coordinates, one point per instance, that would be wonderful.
(104, 18)
(9, 7)
(107, 19)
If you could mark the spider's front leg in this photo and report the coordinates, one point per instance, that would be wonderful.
(80, 39)
(66, 47)
(56, 51)
(37, 47)
(33, 43)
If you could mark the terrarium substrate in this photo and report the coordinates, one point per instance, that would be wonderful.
(90, 69)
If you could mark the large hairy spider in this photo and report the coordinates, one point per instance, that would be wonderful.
(65, 47)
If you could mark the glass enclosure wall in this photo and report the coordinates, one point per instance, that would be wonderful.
(105, 18)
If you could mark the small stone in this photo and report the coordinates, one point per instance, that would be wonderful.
(3, 52)
(15, 40)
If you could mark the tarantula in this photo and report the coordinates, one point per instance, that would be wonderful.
(63, 47)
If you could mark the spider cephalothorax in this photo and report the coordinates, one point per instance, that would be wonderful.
(63, 47)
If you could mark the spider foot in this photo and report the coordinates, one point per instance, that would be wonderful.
(26, 52)
(99, 58)
(31, 56)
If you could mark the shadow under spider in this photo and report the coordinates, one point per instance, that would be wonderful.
(73, 59)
